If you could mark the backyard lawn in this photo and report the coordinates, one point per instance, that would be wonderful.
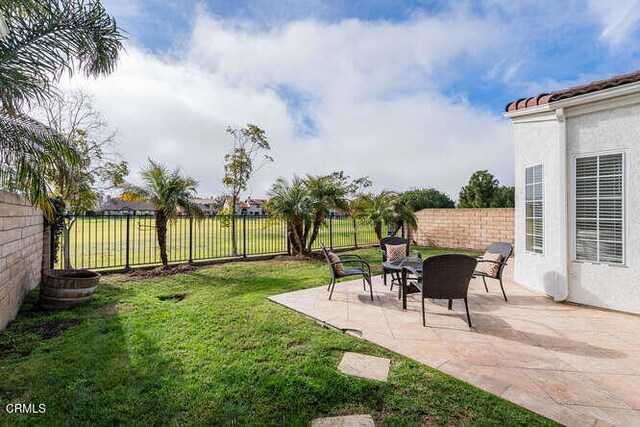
(206, 347)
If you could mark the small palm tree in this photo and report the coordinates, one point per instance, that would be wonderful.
(292, 203)
(385, 207)
(326, 193)
(168, 191)
(41, 41)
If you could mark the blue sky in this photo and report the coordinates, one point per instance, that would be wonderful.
(327, 78)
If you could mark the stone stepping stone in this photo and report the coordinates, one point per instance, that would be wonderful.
(346, 421)
(364, 366)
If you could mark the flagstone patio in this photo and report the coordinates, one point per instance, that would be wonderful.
(575, 365)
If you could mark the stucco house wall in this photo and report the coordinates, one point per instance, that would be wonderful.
(616, 127)
(553, 134)
(538, 143)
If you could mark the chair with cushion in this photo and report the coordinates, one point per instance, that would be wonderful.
(393, 248)
(444, 277)
(492, 263)
(338, 270)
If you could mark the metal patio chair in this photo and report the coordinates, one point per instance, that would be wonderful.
(363, 270)
(443, 277)
(504, 249)
(394, 240)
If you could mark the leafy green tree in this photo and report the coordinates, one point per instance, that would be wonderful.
(479, 192)
(327, 192)
(426, 198)
(484, 191)
(504, 197)
(45, 39)
(168, 191)
(249, 145)
(291, 202)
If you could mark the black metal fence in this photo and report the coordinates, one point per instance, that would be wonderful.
(128, 240)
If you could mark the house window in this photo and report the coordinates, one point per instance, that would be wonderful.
(599, 208)
(534, 208)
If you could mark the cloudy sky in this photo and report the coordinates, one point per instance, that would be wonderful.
(409, 93)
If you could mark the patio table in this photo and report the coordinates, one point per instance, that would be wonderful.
(396, 267)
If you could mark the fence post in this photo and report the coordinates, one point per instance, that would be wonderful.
(355, 234)
(244, 235)
(126, 262)
(190, 239)
(331, 231)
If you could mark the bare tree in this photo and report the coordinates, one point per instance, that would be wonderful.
(80, 184)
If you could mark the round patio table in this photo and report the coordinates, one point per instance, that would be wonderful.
(395, 267)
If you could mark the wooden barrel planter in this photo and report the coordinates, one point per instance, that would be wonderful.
(67, 288)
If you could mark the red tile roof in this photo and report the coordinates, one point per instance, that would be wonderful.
(545, 98)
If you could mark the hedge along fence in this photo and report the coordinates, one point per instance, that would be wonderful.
(471, 229)
(110, 242)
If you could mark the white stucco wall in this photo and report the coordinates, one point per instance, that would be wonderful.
(592, 126)
(538, 142)
(615, 128)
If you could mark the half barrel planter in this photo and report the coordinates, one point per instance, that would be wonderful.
(62, 289)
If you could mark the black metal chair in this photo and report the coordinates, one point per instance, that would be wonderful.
(444, 277)
(351, 271)
(504, 249)
(393, 240)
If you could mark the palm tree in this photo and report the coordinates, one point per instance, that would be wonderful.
(385, 207)
(292, 203)
(326, 193)
(168, 191)
(375, 208)
(45, 39)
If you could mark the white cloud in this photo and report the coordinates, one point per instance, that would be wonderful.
(619, 19)
(375, 91)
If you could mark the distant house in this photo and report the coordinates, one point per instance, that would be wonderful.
(116, 206)
(577, 168)
(208, 206)
(251, 207)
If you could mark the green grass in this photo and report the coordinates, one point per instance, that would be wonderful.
(222, 356)
(100, 242)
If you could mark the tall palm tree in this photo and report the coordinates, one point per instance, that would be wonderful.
(326, 193)
(292, 203)
(168, 191)
(44, 40)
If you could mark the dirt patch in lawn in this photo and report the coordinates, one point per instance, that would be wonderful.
(44, 330)
(51, 328)
(173, 297)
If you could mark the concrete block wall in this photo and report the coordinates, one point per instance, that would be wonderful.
(472, 229)
(21, 250)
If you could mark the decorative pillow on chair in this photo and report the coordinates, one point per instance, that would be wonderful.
(396, 252)
(338, 267)
(490, 268)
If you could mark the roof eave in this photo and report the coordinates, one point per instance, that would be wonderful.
(587, 98)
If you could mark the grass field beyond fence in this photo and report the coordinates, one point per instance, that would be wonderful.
(120, 241)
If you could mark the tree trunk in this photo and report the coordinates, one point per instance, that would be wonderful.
(297, 245)
(161, 230)
(317, 222)
(66, 252)
(234, 240)
(377, 227)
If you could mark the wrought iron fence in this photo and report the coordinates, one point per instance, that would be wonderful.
(129, 240)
